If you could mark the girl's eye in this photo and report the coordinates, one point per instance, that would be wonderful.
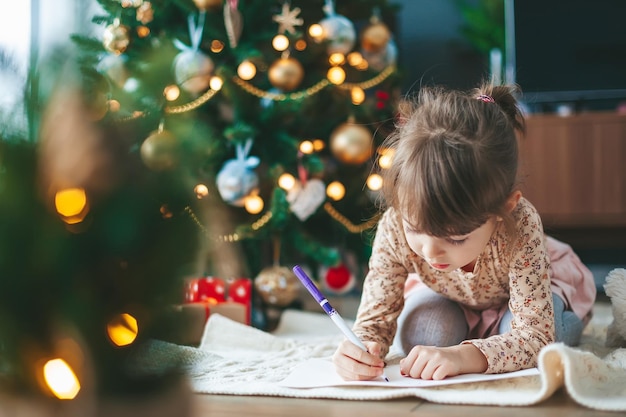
(456, 241)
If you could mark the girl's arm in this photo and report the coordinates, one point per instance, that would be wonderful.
(530, 301)
(382, 297)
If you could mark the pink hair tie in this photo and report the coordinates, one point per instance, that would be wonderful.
(485, 98)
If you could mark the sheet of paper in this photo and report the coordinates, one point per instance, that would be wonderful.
(316, 373)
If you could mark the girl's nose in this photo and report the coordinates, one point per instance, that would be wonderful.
(431, 249)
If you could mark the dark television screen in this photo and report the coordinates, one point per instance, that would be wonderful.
(567, 50)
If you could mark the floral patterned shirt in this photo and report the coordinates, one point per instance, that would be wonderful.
(515, 271)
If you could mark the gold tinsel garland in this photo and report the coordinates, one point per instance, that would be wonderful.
(298, 95)
(265, 218)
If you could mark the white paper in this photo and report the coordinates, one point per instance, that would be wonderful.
(316, 373)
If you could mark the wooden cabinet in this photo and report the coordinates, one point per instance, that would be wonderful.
(573, 169)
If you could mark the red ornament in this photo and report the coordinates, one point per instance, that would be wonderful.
(339, 279)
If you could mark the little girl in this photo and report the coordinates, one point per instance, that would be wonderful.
(461, 272)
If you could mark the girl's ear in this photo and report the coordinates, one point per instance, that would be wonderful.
(512, 201)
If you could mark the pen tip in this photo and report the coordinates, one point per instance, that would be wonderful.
(386, 379)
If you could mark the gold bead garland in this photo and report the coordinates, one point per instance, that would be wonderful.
(351, 227)
(255, 91)
(232, 237)
(192, 105)
(264, 220)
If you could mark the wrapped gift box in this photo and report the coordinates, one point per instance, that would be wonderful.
(211, 295)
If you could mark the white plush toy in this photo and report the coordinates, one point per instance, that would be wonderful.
(615, 288)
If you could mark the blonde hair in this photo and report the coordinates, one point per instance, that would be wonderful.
(455, 160)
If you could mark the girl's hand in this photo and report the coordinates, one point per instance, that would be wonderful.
(430, 362)
(352, 363)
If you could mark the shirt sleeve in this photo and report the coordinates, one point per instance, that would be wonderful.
(530, 302)
(382, 297)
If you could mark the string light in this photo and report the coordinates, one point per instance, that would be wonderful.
(246, 70)
(300, 45)
(306, 147)
(316, 31)
(374, 182)
(216, 83)
(71, 204)
(355, 58)
(336, 58)
(386, 157)
(358, 95)
(253, 204)
(171, 92)
(61, 379)
(318, 145)
(114, 106)
(201, 191)
(286, 181)
(123, 330)
(335, 190)
(217, 46)
(280, 42)
(336, 75)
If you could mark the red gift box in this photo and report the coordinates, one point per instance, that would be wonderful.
(213, 291)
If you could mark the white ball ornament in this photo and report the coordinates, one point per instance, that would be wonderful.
(339, 32)
(193, 71)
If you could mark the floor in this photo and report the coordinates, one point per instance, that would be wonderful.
(559, 404)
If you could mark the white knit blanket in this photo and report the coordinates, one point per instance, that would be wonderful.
(240, 360)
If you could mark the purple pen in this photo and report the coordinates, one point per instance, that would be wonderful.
(332, 313)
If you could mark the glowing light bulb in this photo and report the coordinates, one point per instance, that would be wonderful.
(300, 45)
(316, 31)
(171, 92)
(336, 190)
(355, 58)
(114, 106)
(374, 182)
(61, 379)
(280, 42)
(386, 157)
(253, 204)
(71, 204)
(336, 58)
(318, 145)
(216, 83)
(358, 95)
(336, 75)
(123, 330)
(201, 191)
(246, 70)
(217, 46)
(286, 181)
(306, 147)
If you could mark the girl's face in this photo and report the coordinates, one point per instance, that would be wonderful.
(449, 253)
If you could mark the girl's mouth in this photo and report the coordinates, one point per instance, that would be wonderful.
(440, 266)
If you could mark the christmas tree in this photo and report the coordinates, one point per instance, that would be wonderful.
(273, 110)
(249, 127)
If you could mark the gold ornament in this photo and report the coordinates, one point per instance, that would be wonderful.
(277, 286)
(286, 74)
(375, 37)
(208, 4)
(351, 143)
(116, 37)
(160, 151)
